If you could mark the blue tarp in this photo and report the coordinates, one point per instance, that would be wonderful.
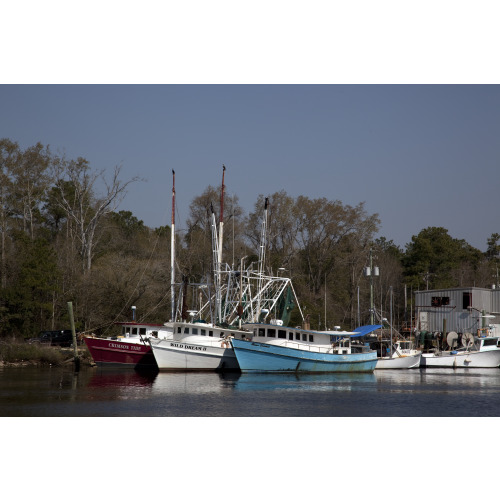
(365, 330)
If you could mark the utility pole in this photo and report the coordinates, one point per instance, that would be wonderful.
(371, 272)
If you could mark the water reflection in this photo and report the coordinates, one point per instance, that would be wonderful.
(194, 382)
(119, 378)
(107, 392)
(211, 383)
(304, 382)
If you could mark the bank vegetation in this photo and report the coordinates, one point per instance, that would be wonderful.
(61, 240)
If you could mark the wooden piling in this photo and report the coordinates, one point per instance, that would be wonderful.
(73, 332)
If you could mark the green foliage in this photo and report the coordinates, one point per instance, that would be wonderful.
(31, 296)
(432, 257)
(493, 251)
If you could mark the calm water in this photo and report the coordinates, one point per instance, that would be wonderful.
(53, 392)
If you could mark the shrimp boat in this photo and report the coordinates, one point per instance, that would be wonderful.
(275, 348)
(130, 349)
(197, 346)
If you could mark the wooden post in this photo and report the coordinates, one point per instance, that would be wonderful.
(75, 349)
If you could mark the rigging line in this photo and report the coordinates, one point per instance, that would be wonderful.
(153, 309)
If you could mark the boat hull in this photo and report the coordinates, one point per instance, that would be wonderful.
(182, 356)
(117, 353)
(399, 363)
(256, 357)
(477, 359)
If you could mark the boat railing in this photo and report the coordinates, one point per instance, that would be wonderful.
(325, 349)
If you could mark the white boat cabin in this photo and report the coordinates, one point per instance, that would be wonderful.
(136, 331)
(336, 342)
(183, 330)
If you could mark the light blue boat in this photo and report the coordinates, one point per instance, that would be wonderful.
(275, 348)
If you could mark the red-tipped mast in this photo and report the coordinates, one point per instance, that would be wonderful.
(222, 195)
(173, 197)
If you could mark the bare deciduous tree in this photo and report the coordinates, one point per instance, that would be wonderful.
(83, 207)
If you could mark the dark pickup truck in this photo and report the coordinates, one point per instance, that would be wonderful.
(63, 338)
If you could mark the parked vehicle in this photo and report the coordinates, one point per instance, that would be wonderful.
(62, 338)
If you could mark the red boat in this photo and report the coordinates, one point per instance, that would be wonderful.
(131, 349)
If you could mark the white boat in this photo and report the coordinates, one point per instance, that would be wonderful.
(476, 352)
(403, 356)
(197, 346)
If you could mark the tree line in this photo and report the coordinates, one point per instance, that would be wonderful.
(61, 241)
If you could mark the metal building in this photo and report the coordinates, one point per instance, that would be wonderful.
(457, 309)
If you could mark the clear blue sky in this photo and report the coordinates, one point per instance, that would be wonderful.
(418, 155)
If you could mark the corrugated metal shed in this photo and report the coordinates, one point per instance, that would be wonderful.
(495, 301)
(455, 309)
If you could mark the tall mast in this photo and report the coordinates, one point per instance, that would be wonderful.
(216, 264)
(172, 249)
(221, 219)
(262, 256)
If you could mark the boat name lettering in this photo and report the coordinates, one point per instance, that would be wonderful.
(125, 346)
(191, 347)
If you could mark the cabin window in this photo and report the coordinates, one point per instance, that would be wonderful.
(221, 334)
(297, 336)
(262, 332)
(127, 329)
(290, 335)
(142, 331)
(281, 334)
(271, 333)
(489, 342)
(186, 330)
(134, 331)
(154, 333)
(194, 331)
(311, 338)
(179, 329)
(203, 332)
(467, 300)
(243, 336)
(304, 337)
(210, 333)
